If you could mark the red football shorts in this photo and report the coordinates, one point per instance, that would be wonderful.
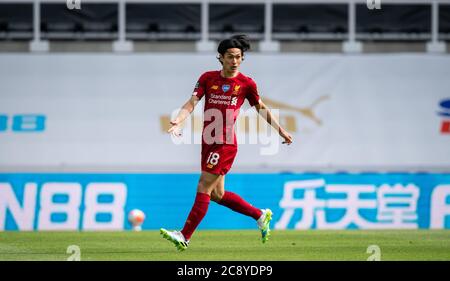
(218, 158)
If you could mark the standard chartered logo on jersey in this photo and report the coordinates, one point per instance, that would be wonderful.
(361, 206)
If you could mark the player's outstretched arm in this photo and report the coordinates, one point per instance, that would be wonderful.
(264, 111)
(185, 111)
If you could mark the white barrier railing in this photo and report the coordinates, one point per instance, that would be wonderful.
(268, 44)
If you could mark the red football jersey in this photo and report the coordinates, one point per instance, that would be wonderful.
(223, 99)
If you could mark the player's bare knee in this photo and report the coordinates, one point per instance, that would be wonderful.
(216, 195)
(201, 187)
(205, 186)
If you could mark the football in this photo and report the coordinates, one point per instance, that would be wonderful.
(136, 217)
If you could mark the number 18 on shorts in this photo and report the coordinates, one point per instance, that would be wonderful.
(218, 159)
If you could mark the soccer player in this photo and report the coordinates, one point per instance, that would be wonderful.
(225, 91)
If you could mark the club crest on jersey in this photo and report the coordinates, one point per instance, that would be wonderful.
(225, 88)
(236, 89)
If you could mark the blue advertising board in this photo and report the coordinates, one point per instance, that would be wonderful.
(38, 201)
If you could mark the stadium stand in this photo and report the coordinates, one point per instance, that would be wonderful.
(228, 19)
(16, 21)
(149, 25)
(395, 22)
(310, 22)
(94, 21)
(444, 22)
(179, 22)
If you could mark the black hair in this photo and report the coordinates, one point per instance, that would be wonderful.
(237, 41)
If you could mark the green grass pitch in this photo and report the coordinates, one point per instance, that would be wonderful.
(242, 245)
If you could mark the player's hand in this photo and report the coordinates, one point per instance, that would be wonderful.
(286, 136)
(175, 129)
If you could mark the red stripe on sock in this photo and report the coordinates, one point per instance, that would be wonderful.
(237, 204)
(196, 215)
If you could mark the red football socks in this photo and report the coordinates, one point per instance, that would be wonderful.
(237, 204)
(196, 215)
